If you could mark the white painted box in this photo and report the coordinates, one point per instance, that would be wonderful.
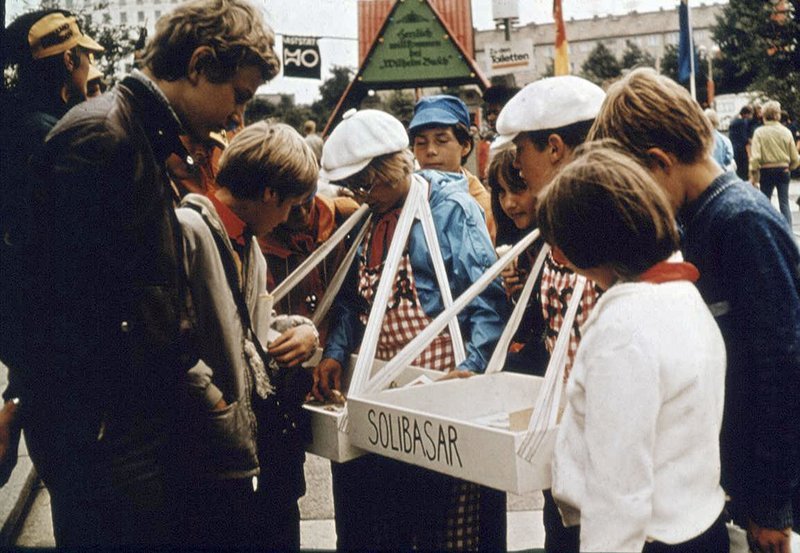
(469, 428)
(328, 440)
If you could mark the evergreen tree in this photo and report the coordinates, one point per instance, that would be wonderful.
(601, 65)
(633, 56)
(759, 43)
(669, 67)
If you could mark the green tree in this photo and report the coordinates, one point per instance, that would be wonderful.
(330, 91)
(400, 104)
(669, 68)
(118, 40)
(601, 65)
(633, 56)
(759, 44)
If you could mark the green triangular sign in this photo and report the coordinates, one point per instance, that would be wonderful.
(412, 47)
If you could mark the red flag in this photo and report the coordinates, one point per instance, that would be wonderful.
(561, 59)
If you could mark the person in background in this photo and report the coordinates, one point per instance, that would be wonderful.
(441, 141)
(773, 155)
(546, 121)
(740, 136)
(494, 98)
(723, 149)
(377, 500)
(113, 336)
(52, 58)
(312, 138)
(636, 461)
(263, 174)
(747, 258)
(309, 225)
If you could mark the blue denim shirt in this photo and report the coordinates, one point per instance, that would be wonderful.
(467, 252)
(748, 262)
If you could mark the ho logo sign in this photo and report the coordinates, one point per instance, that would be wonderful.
(301, 57)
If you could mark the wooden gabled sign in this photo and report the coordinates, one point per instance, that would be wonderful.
(415, 48)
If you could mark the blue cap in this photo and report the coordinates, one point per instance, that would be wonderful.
(439, 110)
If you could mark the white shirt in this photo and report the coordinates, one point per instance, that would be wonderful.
(638, 447)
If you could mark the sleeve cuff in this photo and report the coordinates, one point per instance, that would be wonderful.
(212, 396)
(772, 516)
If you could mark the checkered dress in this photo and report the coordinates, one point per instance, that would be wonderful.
(404, 318)
(447, 515)
(558, 283)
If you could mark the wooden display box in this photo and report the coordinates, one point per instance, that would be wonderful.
(469, 428)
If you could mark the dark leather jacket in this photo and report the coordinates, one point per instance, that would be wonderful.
(110, 328)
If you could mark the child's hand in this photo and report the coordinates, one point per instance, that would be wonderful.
(513, 280)
(294, 346)
(327, 378)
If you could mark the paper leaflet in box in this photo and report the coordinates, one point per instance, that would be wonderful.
(329, 437)
(456, 427)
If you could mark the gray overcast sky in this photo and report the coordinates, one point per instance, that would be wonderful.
(338, 18)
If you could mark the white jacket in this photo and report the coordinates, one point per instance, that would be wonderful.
(637, 452)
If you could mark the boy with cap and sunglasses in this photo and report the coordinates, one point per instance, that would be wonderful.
(377, 500)
(115, 330)
(748, 260)
(546, 121)
(53, 59)
(441, 140)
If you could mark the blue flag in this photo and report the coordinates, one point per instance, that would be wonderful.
(685, 45)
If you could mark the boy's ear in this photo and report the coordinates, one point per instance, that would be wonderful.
(201, 57)
(556, 148)
(268, 195)
(659, 159)
(69, 61)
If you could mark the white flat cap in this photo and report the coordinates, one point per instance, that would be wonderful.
(549, 103)
(360, 137)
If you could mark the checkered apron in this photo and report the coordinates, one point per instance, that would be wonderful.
(448, 516)
(558, 283)
(404, 318)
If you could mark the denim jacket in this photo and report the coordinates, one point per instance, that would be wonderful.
(467, 252)
(748, 263)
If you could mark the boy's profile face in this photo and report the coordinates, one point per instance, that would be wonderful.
(208, 107)
(536, 167)
(264, 214)
(438, 148)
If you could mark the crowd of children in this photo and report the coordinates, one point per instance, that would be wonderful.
(166, 408)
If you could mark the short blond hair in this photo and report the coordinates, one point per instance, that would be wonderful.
(604, 208)
(235, 31)
(386, 169)
(268, 155)
(771, 111)
(646, 110)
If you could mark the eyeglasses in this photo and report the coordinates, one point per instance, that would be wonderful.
(358, 189)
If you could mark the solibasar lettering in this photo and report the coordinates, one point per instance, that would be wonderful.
(436, 442)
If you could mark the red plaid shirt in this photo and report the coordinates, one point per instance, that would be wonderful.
(558, 283)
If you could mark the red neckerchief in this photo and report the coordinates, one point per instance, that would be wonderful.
(382, 233)
(665, 271)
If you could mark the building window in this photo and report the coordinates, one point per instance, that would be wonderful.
(140, 17)
(123, 18)
(158, 14)
(652, 40)
(70, 4)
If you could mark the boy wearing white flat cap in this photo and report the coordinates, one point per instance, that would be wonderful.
(547, 120)
(377, 500)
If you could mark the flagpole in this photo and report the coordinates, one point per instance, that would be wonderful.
(692, 85)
